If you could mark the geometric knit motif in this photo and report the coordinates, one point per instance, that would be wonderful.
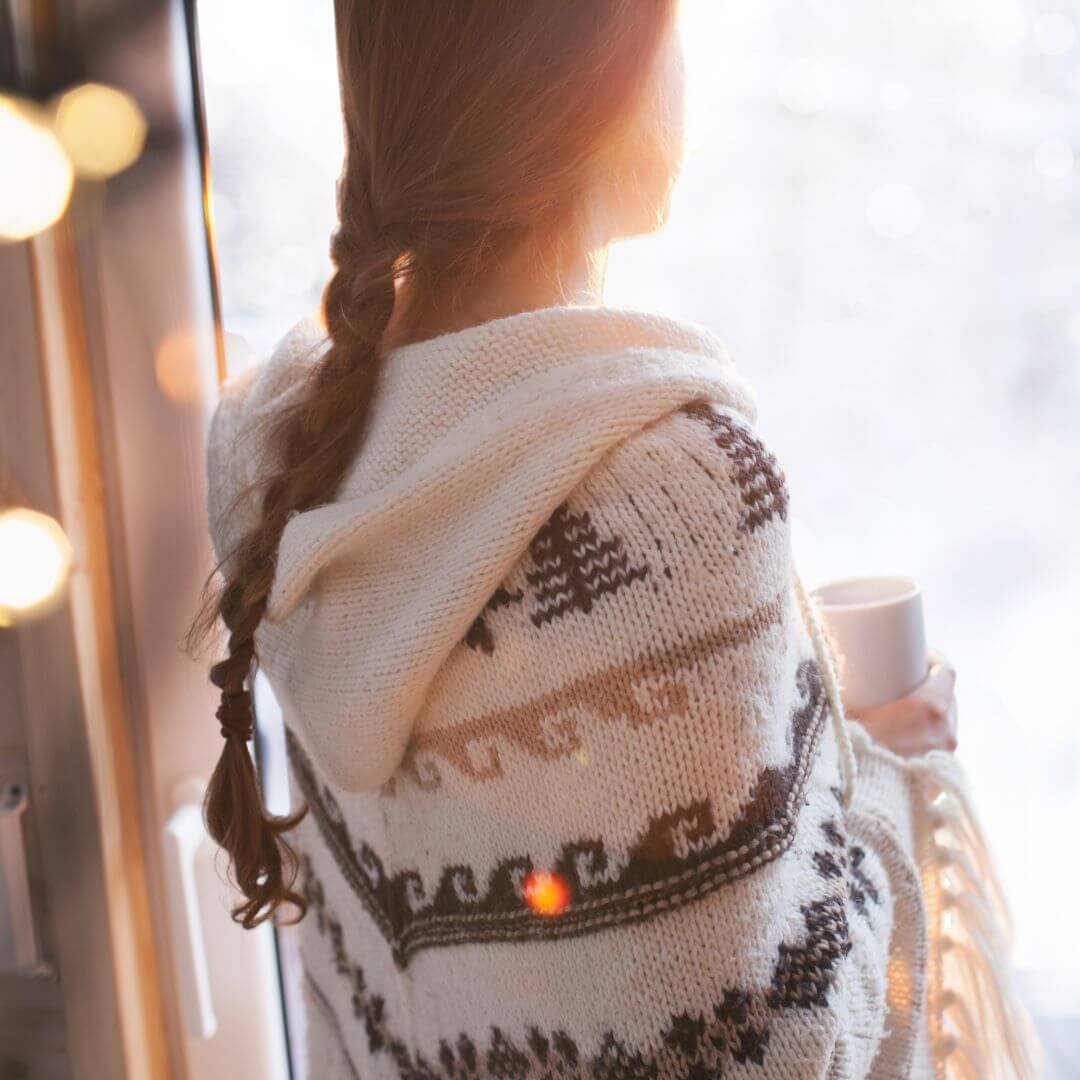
(843, 860)
(480, 635)
(679, 855)
(633, 721)
(645, 689)
(735, 1030)
(757, 473)
(572, 568)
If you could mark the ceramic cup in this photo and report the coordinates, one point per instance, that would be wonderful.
(876, 627)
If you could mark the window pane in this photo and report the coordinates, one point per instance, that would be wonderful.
(880, 214)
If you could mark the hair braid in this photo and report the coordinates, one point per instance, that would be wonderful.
(469, 126)
(319, 436)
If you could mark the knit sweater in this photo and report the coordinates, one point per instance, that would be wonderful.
(576, 805)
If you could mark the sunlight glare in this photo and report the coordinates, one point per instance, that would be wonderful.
(711, 72)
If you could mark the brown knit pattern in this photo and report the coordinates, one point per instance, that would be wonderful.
(647, 689)
(546, 632)
(574, 566)
(761, 481)
(693, 1044)
(679, 856)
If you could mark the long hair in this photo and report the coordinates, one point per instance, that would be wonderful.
(470, 126)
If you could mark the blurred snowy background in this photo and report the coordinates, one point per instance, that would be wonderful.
(880, 214)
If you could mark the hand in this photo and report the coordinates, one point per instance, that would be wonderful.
(923, 720)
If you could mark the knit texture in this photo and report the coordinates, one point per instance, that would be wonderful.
(575, 803)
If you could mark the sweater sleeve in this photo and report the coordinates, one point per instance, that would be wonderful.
(681, 739)
(814, 899)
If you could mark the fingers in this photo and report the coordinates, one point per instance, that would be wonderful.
(952, 728)
(935, 706)
(937, 690)
(926, 719)
(938, 664)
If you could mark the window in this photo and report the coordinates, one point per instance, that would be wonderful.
(880, 215)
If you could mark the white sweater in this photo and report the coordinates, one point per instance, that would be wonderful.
(576, 803)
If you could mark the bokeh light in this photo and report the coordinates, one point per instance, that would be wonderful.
(176, 367)
(35, 563)
(101, 128)
(36, 179)
(547, 893)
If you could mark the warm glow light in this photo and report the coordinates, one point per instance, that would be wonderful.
(101, 128)
(35, 561)
(176, 367)
(546, 893)
(712, 75)
(36, 178)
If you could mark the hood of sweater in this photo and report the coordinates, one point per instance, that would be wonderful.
(476, 437)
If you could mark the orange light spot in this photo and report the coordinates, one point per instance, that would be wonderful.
(546, 893)
(177, 367)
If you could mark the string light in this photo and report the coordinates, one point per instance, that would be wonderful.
(101, 128)
(35, 564)
(37, 177)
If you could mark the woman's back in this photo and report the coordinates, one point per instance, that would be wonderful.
(602, 833)
(581, 795)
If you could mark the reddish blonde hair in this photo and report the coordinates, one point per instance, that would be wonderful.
(470, 126)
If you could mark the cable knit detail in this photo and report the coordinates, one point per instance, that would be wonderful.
(562, 732)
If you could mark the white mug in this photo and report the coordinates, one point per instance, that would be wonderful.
(876, 626)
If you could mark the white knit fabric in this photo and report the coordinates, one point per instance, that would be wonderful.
(575, 806)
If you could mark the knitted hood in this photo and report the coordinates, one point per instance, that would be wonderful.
(476, 438)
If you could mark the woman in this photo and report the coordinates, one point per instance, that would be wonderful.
(581, 799)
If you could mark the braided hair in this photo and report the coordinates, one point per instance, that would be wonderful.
(470, 125)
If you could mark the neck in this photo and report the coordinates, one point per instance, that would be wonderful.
(560, 271)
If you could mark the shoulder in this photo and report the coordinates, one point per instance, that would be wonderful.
(675, 544)
(235, 453)
(714, 452)
(709, 495)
